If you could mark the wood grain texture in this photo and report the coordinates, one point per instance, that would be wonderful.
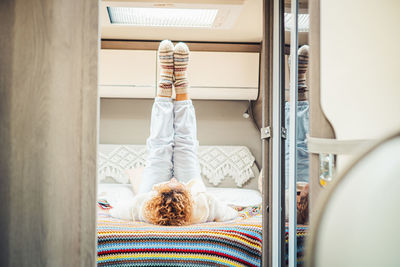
(6, 44)
(319, 124)
(193, 46)
(48, 132)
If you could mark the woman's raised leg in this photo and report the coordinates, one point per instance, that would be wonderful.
(161, 140)
(186, 163)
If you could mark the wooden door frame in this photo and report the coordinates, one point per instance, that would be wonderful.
(319, 124)
(48, 132)
(263, 106)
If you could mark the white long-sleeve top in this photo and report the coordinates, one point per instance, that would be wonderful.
(206, 208)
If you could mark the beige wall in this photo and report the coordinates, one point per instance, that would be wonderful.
(360, 63)
(127, 121)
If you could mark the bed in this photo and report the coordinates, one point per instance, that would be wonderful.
(127, 243)
(233, 243)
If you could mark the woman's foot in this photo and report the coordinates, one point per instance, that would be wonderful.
(166, 59)
(181, 59)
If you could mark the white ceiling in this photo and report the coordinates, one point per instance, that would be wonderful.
(247, 28)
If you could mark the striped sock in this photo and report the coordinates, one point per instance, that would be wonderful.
(165, 56)
(302, 65)
(181, 59)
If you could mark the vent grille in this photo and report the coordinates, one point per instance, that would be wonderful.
(303, 22)
(163, 17)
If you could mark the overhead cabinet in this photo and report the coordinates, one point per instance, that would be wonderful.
(212, 75)
(127, 73)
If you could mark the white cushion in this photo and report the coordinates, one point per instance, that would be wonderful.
(237, 196)
(115, 193)
(135, 177)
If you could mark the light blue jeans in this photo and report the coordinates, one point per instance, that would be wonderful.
(303, 125)
(172, 145)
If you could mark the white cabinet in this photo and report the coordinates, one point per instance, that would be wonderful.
(224, 75)
(212, 75)
(127, 73)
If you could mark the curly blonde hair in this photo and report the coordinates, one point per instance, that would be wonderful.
(170, 206)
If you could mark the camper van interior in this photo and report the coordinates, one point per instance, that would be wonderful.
(224, 39)
(224, 73)
(199, 133)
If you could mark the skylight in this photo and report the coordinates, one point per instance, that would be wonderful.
(162, 17)
(303, 22)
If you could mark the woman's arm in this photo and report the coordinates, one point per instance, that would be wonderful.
(219, 211)
(123, 211)
(129, 210)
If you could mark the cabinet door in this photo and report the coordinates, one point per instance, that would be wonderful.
(223, 75)
(127, 73)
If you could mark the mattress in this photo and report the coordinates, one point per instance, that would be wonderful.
(129, 243)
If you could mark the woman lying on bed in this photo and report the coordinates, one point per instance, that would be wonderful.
(172, 191)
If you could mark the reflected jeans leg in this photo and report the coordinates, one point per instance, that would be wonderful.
(303, 125)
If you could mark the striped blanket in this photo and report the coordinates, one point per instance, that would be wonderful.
(127, 243)
(301, 236)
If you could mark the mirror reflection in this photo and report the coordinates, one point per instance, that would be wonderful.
(301, 173)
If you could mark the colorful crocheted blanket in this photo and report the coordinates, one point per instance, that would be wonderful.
(301, 235)
(128, 243)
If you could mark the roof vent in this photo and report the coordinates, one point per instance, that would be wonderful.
(303, 22)
(188, 15)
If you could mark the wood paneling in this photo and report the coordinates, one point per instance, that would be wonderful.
(319, 124)
(193, 46)
(48, 132)
(6, 66)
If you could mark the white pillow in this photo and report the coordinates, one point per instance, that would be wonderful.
(117, 193)
(237, 196)
(135, 177)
